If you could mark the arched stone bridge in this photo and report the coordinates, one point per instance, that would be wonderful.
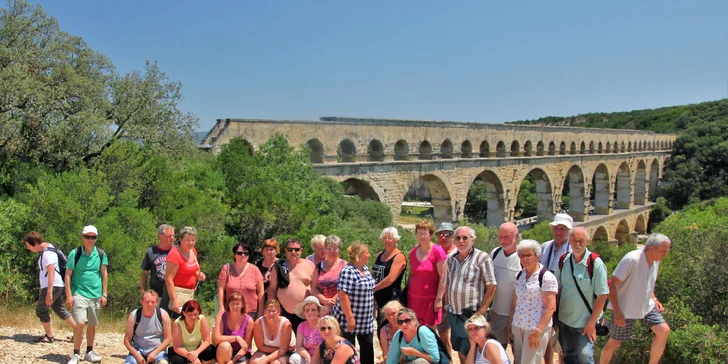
(380, 159)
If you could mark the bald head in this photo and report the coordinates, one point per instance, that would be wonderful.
(508, 236)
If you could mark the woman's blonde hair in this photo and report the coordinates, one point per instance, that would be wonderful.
(331, 320)
(355, 249)
(392, 305)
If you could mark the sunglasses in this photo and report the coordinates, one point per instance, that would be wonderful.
(446, 235)
(463, 238)
(404, 322)
(242, 253)
(89, 237)
(293, 250)
(326, 328)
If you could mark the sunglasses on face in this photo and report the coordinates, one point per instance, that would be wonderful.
(404, 322)
(89, 237)
(326, 328)
(474, 328)
(445, 235)
(293, 250)
(242, 253)
(463, 238)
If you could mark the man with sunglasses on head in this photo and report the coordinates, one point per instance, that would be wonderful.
(86, 292)
(290, 281)
(471, 286)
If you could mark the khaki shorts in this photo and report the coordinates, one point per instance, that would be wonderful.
(554, 340)
(86, 310)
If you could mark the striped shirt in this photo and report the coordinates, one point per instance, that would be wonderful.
(466, 280)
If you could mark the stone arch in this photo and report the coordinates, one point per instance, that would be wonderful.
(591, 147)
(375, 151)
(600, 234)
(662, 145)
(552, 148)
(600, 148)
(346, 151)
(654, 178)
(361, 188)
(484, 149)
(623, 188)
(648, 146)
(621, 147)
(500, 150)
(544, 193)
(639, 146)
(639, 225)
(609, 148)
(446, 149)
(515, 149)
(572, 148)
(401, 150)
(495, 213)
(425, 151)
(466, 150)
(600, 186)
(528, 149)
(577, 193)
(615, 147)
(629, 147)
(539, 148)
(439, 187)
(317, 150)
(640, 184)
(621, 234)
(562, 148)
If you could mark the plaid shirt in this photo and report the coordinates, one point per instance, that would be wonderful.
(360, 289)
(466, 280)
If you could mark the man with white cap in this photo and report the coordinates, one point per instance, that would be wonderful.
(551, 251)
(86, 291)
(445, 234)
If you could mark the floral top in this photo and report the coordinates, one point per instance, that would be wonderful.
(328, 281)
(327, 355)
(311, 337)
(529, 303)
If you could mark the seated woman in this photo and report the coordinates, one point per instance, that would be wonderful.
(307, 334)
(273, 335)
(413, 343)
(233, 332)
(191, 337)
(387, 331)
(484, 348)
(334, 349)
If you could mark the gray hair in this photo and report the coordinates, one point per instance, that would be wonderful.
(529, 244)
(586, 233)
(392, 231)
(470, 231)
(333, 240)
(656, 240)
(164, 227)
(187, 230)
(317, 239)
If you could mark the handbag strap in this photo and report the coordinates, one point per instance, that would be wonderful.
(586, 303)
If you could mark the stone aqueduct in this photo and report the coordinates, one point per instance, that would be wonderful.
(380, 159)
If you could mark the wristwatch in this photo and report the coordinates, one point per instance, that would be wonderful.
(105, 295)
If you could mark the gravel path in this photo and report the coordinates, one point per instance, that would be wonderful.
(17, 345)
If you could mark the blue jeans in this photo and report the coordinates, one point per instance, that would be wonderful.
(161, 356)
(576, 347)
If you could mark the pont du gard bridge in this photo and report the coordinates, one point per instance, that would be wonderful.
(610, 172)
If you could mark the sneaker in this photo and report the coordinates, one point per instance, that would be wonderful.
(74, 359)
(92, 357)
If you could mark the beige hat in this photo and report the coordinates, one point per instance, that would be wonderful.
(298, 309)
(477, 320)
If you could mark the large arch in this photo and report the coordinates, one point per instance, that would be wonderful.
(622, 232)
(640, 226)
(440, 197)
(484, 150)
(623, 188)
(361, 188)
(317, 151)
(577, 192)
(500, 150)
(425, 151)
(654, 178)
(493, 208)
(401, 150)
(600, 186)
(640, 184)
(600, 234)
(375, 151)
(446, 149)
(544, 194)
(466, 150)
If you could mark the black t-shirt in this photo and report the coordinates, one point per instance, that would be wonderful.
(155, 261)
(380, 270)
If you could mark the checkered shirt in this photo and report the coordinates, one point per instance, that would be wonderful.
(360, 289)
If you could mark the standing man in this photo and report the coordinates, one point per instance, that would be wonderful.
(471, 285)
(632, 297)
(155, 261)
(86, 292)
(51, 285)
(577, 319)
(148, 333)
(444, 239)
(551, 251)
(290, 281)
(506, 266)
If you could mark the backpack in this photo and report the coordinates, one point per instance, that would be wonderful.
(589, 263)
(495, 254)
(540, 275)
(62, 260)
(138, 318)
(440, 345)
(78, 256)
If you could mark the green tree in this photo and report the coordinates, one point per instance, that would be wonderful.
(527, 204)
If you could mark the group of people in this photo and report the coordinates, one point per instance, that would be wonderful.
(314, 309)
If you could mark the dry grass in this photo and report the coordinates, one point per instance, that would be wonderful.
(24, 317)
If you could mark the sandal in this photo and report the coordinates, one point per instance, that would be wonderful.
(46, 339)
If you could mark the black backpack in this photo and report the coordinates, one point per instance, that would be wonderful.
(540, 276)
(138, 318)
(440, 345)
(62, 260)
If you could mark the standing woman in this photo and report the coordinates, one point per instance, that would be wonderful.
(317, 245)
(183, 271)
(334, 349)
(484, 348)
(533, 305)
(325, 283)
(427, 276)
(355, 306)
(388, 269)
(270, 251)
(241, 277)
(191, 337)
(233, 332)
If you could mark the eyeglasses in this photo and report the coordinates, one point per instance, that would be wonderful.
(89, 237)
(293, 250)
(444, 235)
(526, 255)
(332, 249)
(326, 328)
(463, 238)
(242, 253)
(404, 322)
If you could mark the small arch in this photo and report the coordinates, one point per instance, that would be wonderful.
(662, 145)
(346, 151)
(639, 226)
(639, 146)
(572, 148)
(466, 150)
(609, 148)
(552, 148)
(582, 148)
(622, 232)
(425, 151)
(515, 149)
(539, 148)
(375, 151)
(591, 147)
(317, 151)
(484, 150)
(600, 148)
(401, 150)
(615, 147)
(621, 148)
(629, 147)
(500, 150)
(600, 234)
(446, 149)
(528, 149)
(562, 148)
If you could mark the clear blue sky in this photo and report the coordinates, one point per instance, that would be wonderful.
(489, 61)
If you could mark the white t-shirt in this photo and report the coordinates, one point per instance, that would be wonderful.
(505, 268)
(638, 282)
(48, 257)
